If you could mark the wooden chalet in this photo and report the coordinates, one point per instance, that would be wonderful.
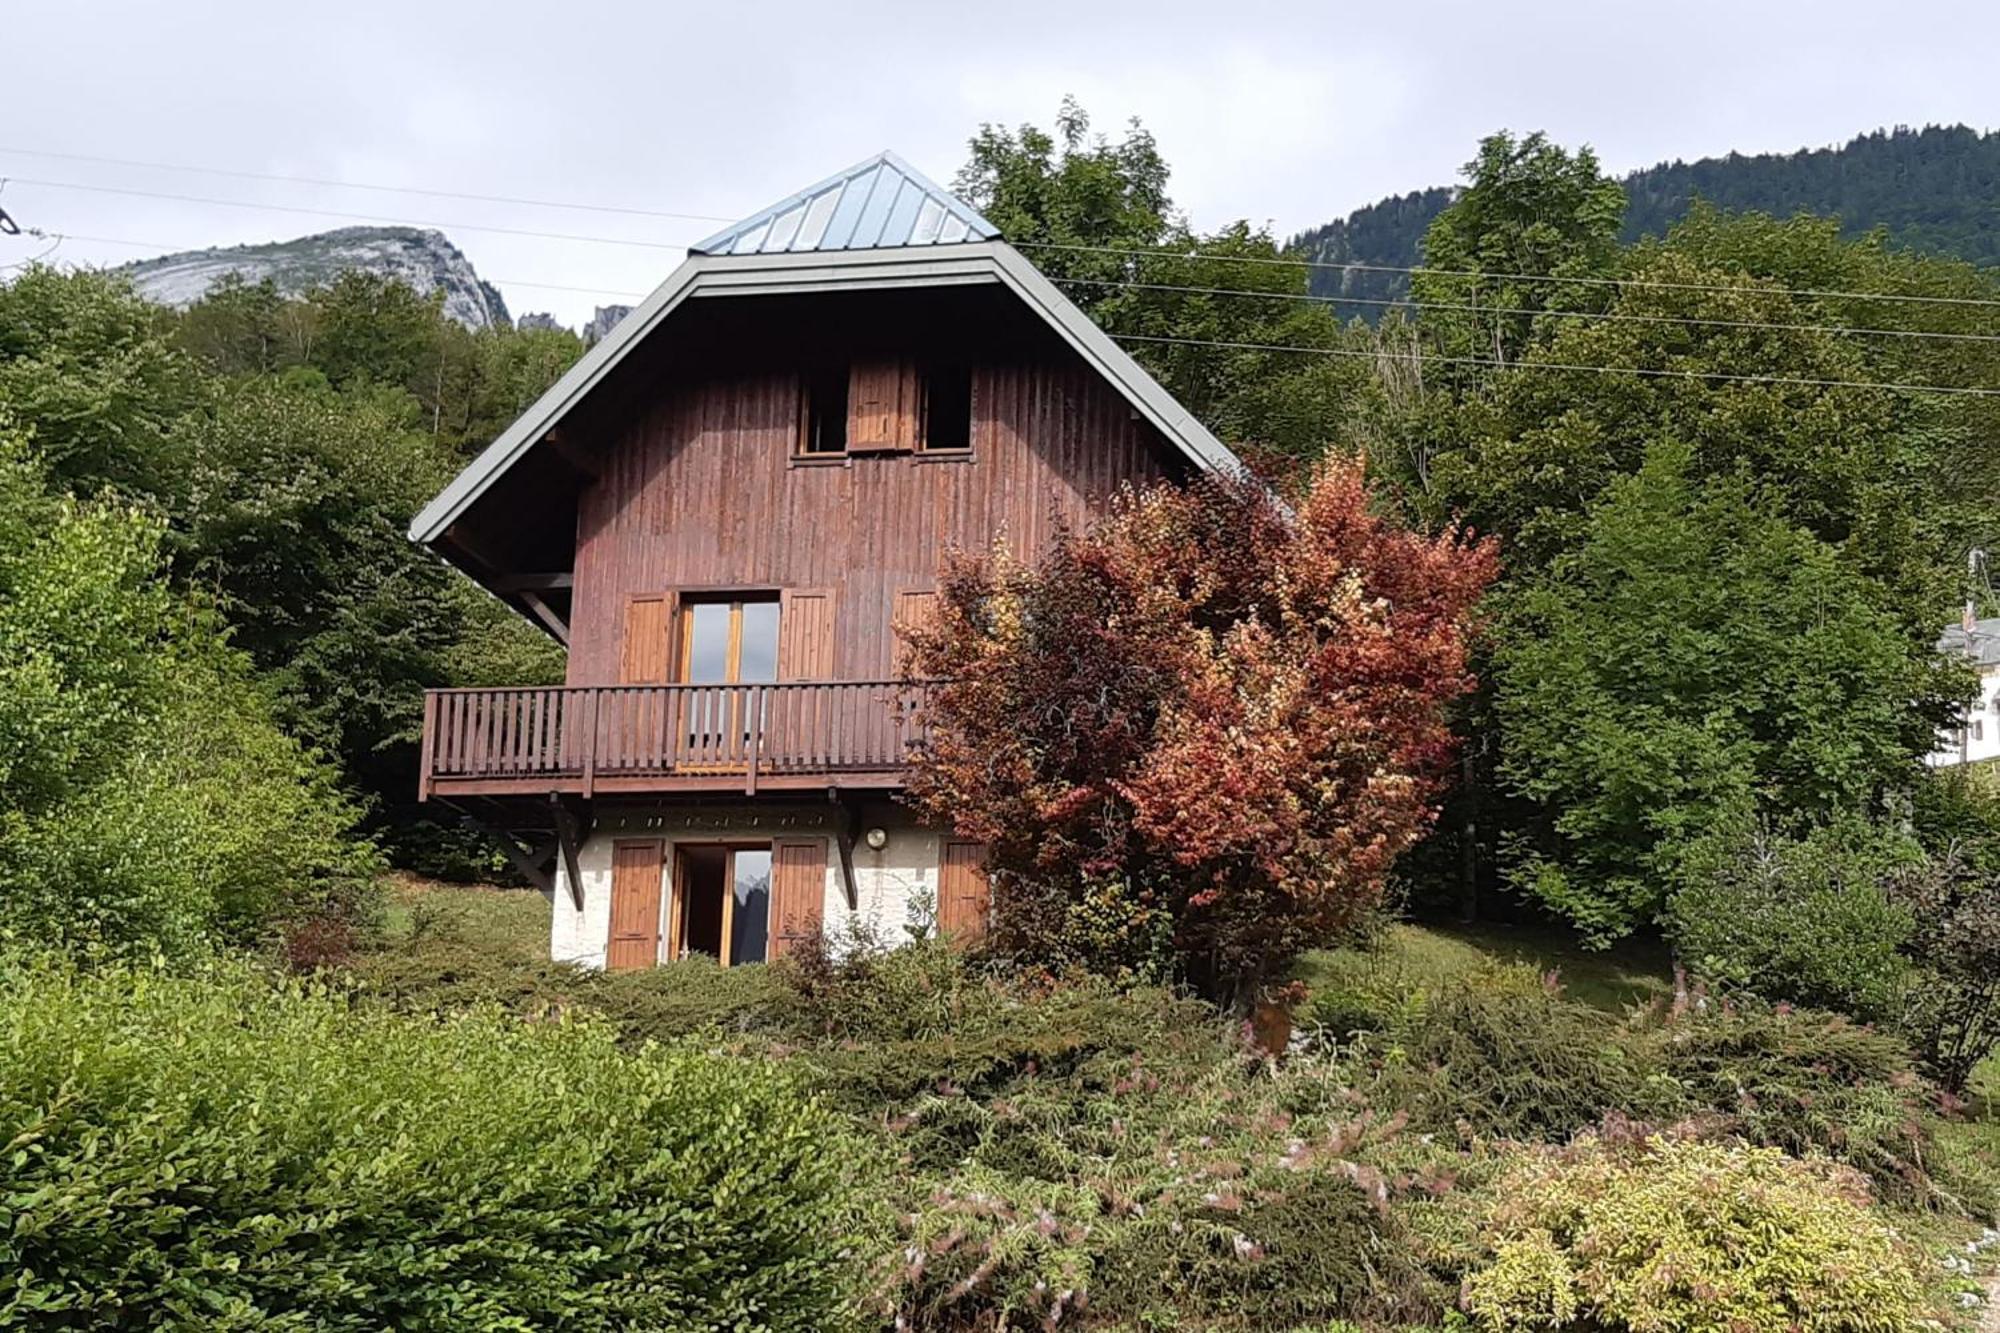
(723, 511)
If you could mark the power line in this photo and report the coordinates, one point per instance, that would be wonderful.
(1503, 277)
(358, 185)
(1159, 253)
(353, 217)
(1560, 314)
(1657, 373)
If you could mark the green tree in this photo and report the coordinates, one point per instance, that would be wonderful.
(1532, 214)
(1221, 320)
(1696, 663)
(87, 365)
(150, 803)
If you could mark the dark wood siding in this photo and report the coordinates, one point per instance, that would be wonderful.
(699, 490)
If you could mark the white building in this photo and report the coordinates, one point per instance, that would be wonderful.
(1978, 735)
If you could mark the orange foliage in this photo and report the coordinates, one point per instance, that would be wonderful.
(1197, 737)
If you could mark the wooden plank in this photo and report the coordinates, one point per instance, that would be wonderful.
(964, 897)
(798, 891)
(427, 747)
(636, 867)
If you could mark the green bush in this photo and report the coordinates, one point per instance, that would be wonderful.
(1802, 920)
(1806, 1082)
(447, 964)
(1953, 1009)
(215, 1152)
(1691, 1236)
(1501, 1052)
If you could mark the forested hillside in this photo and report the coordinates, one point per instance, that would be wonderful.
(265, 453)
(1936, 189)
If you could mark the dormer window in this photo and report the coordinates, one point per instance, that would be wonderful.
(823, 420)
(947, 409)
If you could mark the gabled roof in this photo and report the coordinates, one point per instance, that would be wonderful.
(864, 261)
(881, 202)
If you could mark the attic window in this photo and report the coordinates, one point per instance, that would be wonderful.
(823, 420)
(947, 408)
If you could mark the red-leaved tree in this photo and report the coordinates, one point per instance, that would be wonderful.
(1196, 737)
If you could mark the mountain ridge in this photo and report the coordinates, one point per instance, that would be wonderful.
(1934, 189)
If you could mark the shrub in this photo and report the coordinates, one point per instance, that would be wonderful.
(1953, 1009)
(446, 966)
(1500, 1051)
(216, 1152)
(1201, 732)
(1685, 1235)
(1802, 920)
(1805, 1082)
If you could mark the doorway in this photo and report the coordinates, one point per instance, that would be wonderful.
(722, 902)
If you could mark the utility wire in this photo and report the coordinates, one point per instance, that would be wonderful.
(355, 217)
(1129, 285)
(1559, 314)
(1157, 253)
(1384, 354)
(359, 185)
(1503, 277)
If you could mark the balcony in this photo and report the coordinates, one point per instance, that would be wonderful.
(643, 739)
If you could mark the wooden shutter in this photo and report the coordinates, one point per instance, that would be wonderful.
(635, 904)
(916, 608)
(963, 895)
(643, 656)
(805, 634)
(798, 891)
(882, 406)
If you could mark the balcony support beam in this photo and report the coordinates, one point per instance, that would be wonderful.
(546, 614)
(843, 839)
(567, 837)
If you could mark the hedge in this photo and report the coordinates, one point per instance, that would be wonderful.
(221, 1152)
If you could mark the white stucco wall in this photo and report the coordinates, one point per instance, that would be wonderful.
(1978, 736)
(893, 886)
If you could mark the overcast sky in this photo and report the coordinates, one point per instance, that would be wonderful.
(1285, 114)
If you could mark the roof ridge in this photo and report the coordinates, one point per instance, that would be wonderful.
(880, 202)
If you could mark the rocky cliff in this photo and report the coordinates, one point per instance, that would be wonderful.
(425, 260)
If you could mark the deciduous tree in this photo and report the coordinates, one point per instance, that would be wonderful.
(1197, 736)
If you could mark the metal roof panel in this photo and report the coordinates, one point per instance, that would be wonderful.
(883, 202)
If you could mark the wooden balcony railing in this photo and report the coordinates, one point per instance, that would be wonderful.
(666, 737)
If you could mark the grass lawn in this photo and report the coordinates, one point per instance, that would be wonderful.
(510, 922)
(1633, 973)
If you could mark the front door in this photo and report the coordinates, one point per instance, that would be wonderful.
(722, 902)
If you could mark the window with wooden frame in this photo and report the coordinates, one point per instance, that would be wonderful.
(947, 409)
(728, 639)
(823, 414)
